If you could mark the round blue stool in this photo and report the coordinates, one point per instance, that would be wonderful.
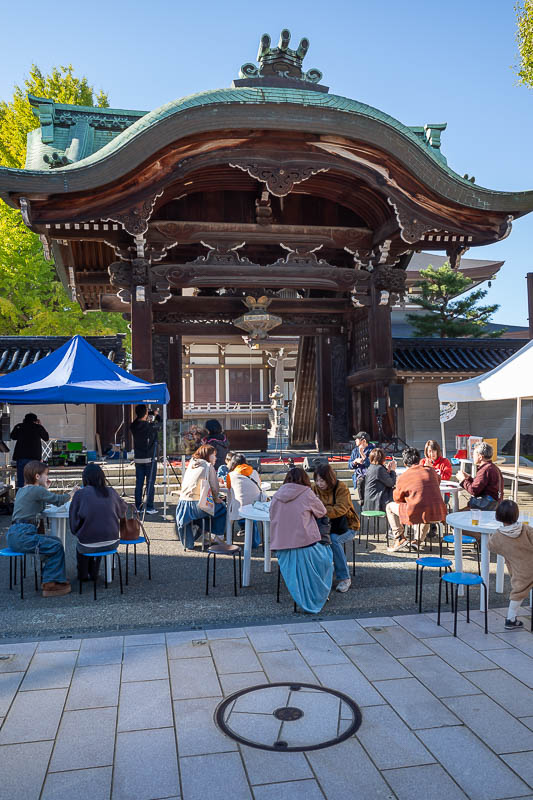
(450, 539)
(7, 552)
(429, 561)
(141, 540)
(103, 554)
(467, 579)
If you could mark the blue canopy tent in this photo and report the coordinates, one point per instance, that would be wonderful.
(77, 373)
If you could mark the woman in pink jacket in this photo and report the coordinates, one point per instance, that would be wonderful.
(305, 561)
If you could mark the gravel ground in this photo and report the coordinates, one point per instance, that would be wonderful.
(176, 598)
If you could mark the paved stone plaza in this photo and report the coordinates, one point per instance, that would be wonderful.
(131, 717)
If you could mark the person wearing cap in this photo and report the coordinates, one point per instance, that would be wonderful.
(29, 436)
(360, 461)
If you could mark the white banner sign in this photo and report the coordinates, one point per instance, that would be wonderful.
(447, 411)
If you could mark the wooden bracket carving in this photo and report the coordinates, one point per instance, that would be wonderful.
(135, 220)
(279, 179)
(412, 228)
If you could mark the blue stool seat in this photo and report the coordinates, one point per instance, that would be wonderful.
(140, 540)
(428, 561)
(433, 561)
(467, 579)
(9, 553)
(103, 554)
(450, 539)
(463, 578)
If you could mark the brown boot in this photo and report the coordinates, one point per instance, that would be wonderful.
(53, 589)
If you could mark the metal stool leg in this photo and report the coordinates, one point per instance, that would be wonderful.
(22, 577)
(478, 558)
(455, 610)
(214, 569)
(279, 584)
(24, 560)
(416, 584)
(135, 559)
(10, 573)
(438, 607)
(95, 578)
(468, 603)
(149, 562)
(119, 571)
(207, 575)
(240, 570)
(353, 557)
(35, 572)
(486, 609)
(367, 531)
(127, 562)
(234, 575)
(420, 594)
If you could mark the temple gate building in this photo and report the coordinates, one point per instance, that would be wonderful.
(273, 207)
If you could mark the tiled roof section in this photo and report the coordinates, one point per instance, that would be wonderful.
(453, 355)
(59, 131)
(21, 351)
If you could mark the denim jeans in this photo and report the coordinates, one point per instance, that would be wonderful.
(342, 571)
(188, 512)
(24, 538)
(21, 463)
(143, 472)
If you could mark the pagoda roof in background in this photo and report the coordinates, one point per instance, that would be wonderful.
(416, 357)
(17, 352)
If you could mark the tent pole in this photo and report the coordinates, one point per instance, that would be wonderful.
(443, 437)
(517, 446)
(165, 460)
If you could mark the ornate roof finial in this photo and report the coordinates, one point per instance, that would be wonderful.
(280, 65)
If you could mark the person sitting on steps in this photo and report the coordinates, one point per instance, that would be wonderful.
(23, 535)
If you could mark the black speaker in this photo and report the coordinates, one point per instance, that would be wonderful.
(396, 395)
(380, 405)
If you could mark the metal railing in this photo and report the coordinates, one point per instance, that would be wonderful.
(243, 408)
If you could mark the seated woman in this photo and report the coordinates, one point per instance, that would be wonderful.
(486, 489)
(23, 534)
(433, 458)
(245, 483)
(380, 481)
(201, 467)
(514, 541)
(305, 563)
(335, 496)
(222, 471)
(94, 517)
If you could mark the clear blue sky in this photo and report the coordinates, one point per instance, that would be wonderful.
(418, 61)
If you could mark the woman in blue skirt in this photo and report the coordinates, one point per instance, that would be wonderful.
(200, 468)
(306, 563)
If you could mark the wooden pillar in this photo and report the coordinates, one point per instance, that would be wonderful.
(529, 278)
(324, 394)
(141, 333)
(175, 382)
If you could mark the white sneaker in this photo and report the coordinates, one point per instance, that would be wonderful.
(344, 585)
(152, 511)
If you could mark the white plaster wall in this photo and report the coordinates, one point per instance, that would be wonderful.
(77, 424)
(489, 419)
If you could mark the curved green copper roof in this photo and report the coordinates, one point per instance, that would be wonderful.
(306, 110)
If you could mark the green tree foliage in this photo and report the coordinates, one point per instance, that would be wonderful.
(32, 300)
(447, 317)
(524, 37)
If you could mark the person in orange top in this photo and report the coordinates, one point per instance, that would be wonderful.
(416, 499)
(245, 483)
(433, 458)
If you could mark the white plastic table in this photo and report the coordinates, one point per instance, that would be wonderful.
(462, 521)
(453, 488)
(58, 516)
(252, 514)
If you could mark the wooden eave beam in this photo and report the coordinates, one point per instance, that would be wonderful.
(234, 305)
(194, 329)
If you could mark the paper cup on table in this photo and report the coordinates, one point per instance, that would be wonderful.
(476, 516)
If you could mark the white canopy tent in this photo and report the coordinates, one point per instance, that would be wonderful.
(509, 381)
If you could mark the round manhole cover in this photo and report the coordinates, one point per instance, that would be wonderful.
(288, 717)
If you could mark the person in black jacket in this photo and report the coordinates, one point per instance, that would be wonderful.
(27, 435)
(144, 429)
(380, 480)
(217, 439)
